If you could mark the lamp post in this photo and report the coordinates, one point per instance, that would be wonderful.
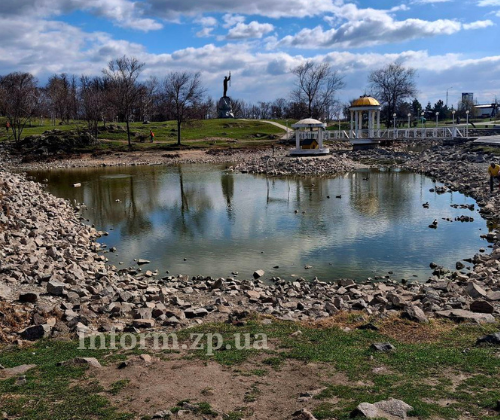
(454, 126)
(422, 118)
(437, 119)
(394, 123)
(467, 124)
(409, 116)
(451, 87)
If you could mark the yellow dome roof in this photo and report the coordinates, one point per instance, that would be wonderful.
(365, 101)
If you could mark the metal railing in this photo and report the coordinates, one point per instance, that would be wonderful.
(395, 134)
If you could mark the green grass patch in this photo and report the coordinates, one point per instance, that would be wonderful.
(441, 376)
(194, 134)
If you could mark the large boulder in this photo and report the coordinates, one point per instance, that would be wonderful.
(390, 409)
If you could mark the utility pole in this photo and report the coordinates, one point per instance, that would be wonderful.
(451, 87)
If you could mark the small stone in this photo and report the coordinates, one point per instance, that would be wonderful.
(475, 291)
(146, 358)
(141, 261)
(15, 371)
(391, 408)
(143, 323)
(489, 339)
(382, 347)
(414, 313)
(481, 306)
(303, 414)
(35, 332)
(28, 297)
(89, 361)
(258, 273)
(55, 288)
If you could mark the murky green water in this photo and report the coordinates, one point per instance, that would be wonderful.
(222, 222)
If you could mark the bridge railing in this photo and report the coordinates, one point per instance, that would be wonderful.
(398, 133)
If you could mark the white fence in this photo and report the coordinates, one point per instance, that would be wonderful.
(399, 133)
(388, 134)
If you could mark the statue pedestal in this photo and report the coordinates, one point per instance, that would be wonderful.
(224, 108)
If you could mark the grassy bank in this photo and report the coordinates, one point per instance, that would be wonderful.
(435, 368)
(194, 134)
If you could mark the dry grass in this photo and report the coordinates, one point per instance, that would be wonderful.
(11, 319)
(392, 326)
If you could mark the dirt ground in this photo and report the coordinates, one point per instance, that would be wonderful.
(161, 384)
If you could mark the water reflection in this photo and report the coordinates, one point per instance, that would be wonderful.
(356, 225)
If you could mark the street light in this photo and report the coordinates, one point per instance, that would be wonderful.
(451, 87)
(409, 116)
(453, 116)
(467, 124)
(437, 119)
(422, 118)
(394, 122)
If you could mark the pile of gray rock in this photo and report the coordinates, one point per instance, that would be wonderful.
(284, 165)
(53, 273)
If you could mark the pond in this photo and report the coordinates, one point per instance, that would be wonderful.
(206, 220)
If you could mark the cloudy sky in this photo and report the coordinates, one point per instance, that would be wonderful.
(454, 44)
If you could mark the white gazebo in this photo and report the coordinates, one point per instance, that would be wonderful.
(309, 138)
(365, 105)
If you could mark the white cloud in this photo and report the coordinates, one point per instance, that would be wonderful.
(207, 21)
(488, 3)
(205, 32)
(430, 1)
(252, 30)
(480, 24)
(369, 32)
(44, 47)
(172, 9)
(125, 13)
(231, 20)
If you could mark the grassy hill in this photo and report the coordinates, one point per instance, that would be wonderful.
(194, 134)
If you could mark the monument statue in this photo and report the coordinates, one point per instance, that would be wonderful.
(226, 80)
(224, 107)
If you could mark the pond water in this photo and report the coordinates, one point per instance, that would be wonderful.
(202, 219)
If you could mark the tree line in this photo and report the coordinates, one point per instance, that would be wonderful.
(118, 94)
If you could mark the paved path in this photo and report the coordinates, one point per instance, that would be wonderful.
(494, 140)
(288, 130)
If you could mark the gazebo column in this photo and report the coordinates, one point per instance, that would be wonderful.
(352, 123)
(320, 138)
(378, 123)
(370, 126)
(297, 139)
(357, 124)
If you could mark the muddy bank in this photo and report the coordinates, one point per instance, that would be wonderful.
(56, 282)
(140, 158)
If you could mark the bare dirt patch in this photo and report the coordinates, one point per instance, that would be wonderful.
(252, 386)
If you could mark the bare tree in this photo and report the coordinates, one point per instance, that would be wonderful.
(18, 100)
(122, 74)
(182, 91)
(92, 99)
(317, 85)
(391, 85)
(62, 92)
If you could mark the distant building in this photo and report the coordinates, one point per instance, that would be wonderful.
(468, 98)
(486, 110)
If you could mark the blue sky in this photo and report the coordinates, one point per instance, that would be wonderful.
(453, 44)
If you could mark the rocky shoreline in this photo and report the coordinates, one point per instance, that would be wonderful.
(54, 281)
